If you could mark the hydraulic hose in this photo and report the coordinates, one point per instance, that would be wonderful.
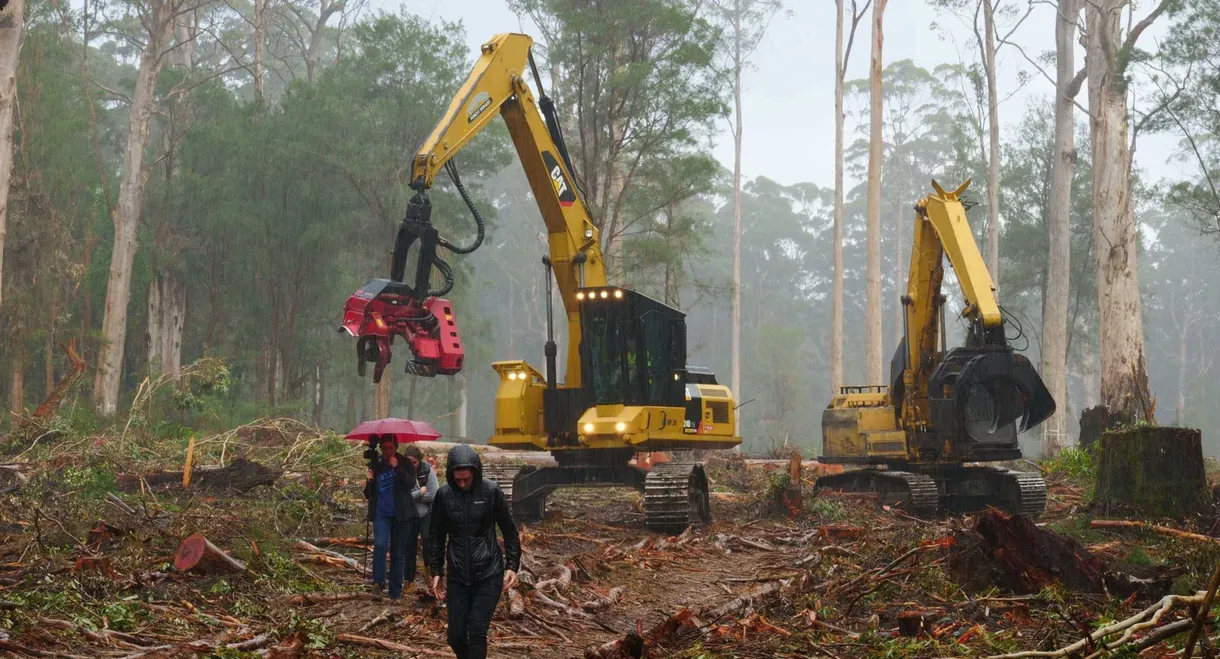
(478, 217)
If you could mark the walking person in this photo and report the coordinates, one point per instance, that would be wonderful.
(391, 489)
(465, 514)
(425, 475)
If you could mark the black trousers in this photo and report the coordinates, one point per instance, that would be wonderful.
(470, 610)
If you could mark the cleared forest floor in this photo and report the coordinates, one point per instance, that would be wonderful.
(89, 527)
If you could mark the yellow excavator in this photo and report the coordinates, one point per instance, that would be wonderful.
(627, 387)
(943, 409)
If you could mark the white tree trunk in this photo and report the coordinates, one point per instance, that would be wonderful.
(1124, 374)
(16, 374)
(12, 34)
(735, 305)
(260, 44)
(1090, 382)
(463, 406)
(873, 227)
(173, 321)
(1180, 408)
(155, 335)
(836, 309)
(127, 215)
(1063, 166)
(384, 389)
(993, 150)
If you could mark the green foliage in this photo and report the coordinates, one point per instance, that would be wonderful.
(825, 509)
(87, 482)
(1137, 556)
(1077, 463)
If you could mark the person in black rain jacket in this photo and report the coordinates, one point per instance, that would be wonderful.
(465, 514)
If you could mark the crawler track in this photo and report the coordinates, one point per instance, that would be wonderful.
(675, 497)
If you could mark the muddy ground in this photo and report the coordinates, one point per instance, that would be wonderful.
(88, 534)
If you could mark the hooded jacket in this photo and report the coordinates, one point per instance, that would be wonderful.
(426, 476)
(466, 522)
(406, 489)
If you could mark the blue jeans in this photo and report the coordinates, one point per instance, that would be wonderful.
(392, 535)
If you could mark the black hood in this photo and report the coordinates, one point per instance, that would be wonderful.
(461, 457)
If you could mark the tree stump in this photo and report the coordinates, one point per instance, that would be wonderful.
(199, 554)
(1096, 420)
(1031, 558)
(1154, 470)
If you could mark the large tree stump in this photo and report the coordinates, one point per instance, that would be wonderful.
(199, 554)
(1031, 558)
(1154, 470)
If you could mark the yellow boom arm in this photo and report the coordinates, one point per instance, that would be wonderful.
(496, 86)
(941, 230)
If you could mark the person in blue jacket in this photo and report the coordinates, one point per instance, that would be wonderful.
(391, 490)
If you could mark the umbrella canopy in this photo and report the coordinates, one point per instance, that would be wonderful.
(404, 429)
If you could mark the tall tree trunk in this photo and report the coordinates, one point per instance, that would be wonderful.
(260, 44)
(173, 305)
(1059, 255)
(463, 406)
(319, 395)
(273, 348)
(127, 214)
(411, 397)
(349, 414)
(1180, 409)
(836, 309)
(155, 333)
(16, 373)
(900, 277)
(1090, 382)
(873, 347)
(993, 149)
(735, 304)
(1124, 374)
(384, 391)
(12, 34)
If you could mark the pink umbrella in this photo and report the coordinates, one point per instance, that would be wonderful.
(404, 429)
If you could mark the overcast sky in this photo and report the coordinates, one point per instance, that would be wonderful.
(789, 94)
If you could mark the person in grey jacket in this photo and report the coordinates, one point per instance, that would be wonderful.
(428, 485)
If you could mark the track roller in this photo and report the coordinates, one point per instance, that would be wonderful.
(675, 497)
(505, 475)
(914, 492)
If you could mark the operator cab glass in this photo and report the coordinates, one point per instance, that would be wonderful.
(633, 348)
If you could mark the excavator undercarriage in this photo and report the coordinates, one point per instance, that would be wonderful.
(923, 490)
(675, 493)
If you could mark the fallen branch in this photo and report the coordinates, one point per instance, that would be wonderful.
(309, 599)
(572, 611)
(606, 602)
(346, 560)
(742, 602)
(52, 401)
(564, 579)
(1163, 530)
(1139, 622)
(382, 617)
(386, 645)
(100, 636)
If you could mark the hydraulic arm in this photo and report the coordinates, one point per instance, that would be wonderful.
(943, 408)
(626, 386)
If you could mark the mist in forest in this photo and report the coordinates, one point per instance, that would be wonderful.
(275, 139)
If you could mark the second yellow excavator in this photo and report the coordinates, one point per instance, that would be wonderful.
(943, 409)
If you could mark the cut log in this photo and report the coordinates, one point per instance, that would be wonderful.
(241, 475)
(516, 605)
(1153, 470)
(324, 598)
(1031, 558)
(199, 554)
(345, 560)
(1163, 530)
